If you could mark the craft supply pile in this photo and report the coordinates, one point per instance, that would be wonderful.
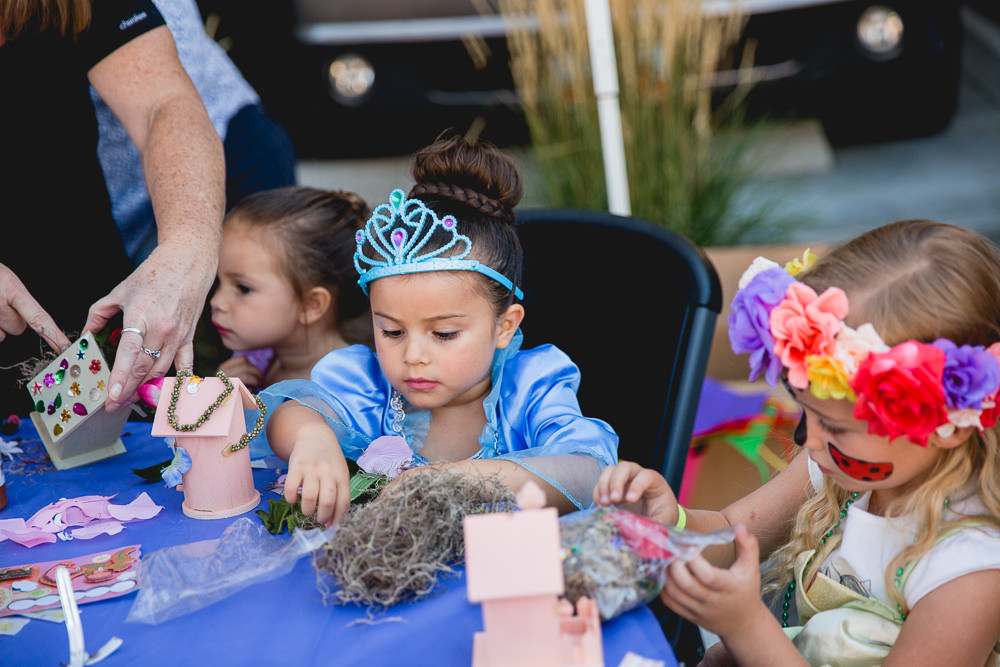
(396, 545)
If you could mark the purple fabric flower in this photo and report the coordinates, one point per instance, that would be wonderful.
(970, 374)
(749, 321)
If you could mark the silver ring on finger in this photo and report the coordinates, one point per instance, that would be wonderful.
(135, 330)
(153, 353)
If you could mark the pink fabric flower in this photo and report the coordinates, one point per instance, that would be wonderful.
(805, 324)
(901, 392)
(149, 392)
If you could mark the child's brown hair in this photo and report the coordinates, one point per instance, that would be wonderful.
(314, 232)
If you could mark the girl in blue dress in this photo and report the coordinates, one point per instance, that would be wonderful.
(441, 266)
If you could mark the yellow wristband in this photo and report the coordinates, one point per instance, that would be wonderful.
(682, 518)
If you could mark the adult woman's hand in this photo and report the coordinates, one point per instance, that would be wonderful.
(19, 310)
(145, 85)
(163, 299)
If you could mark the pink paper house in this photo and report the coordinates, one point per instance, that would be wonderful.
(514, 568)
(219, 483)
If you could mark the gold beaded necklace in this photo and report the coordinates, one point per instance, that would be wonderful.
(230, 448)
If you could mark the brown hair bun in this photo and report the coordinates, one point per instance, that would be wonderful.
(475, 174)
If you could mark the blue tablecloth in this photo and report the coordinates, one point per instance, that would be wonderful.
(279, 622)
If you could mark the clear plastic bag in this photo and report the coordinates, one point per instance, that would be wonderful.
(619, 559)
(184, 578)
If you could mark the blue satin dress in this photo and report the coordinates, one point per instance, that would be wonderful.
(532, 414)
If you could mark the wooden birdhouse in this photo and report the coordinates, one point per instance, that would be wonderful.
(205, 416)
(513, 566)
(69, 414)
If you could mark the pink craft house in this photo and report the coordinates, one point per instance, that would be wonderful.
(514, 568)
(219, 483)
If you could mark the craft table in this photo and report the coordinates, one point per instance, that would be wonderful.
(281, 622)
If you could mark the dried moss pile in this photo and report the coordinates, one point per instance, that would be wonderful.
(395, 548)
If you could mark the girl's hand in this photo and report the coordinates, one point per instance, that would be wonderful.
(639, 490)
(318, 468)
(727, 602)
(238, 366)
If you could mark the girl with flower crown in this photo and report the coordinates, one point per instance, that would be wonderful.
(883, 534)
(447, 374)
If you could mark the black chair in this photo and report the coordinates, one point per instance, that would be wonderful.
(634, 305)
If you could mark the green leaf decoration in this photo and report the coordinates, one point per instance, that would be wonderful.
(362, 481)
(281, 514)
(153, 473)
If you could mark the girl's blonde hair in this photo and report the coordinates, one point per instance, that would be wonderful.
(919, 280)
(66, 17)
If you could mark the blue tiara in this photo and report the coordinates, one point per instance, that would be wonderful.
(400, 248)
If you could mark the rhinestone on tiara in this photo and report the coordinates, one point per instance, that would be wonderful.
(401, 248)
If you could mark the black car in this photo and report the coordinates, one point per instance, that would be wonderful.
(385, 76)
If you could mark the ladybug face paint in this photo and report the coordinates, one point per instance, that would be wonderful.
(863, 471)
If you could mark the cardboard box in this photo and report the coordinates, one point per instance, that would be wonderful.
(718, 474)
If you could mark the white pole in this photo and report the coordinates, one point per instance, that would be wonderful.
(605, 72)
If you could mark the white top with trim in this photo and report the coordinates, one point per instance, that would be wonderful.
(869, 543)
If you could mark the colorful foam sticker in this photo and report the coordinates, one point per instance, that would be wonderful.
(98, 576)
(63, 394)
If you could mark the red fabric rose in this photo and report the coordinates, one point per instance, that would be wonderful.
(901, 392)
(989, 416)
(115, 337)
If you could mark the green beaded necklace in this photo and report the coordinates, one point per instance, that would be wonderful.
(791, 586)
(897, 580)
(230, 448)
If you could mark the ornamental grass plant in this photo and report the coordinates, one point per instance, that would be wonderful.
(686, 145)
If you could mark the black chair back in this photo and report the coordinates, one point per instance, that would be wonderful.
(634, 305)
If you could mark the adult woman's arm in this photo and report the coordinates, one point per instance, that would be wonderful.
(145, 85)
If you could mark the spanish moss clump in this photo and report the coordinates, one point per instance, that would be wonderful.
(30, 368)
(395, 548)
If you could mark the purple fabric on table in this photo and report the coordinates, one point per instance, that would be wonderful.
(718, 405)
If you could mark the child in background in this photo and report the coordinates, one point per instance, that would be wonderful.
(447, 374)
(884, 533)
(286, 292)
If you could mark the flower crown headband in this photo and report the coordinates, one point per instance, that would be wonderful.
(400, 248)
(912, 389)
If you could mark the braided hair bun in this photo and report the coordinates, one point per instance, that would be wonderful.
(473, 174)
(480, 186)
